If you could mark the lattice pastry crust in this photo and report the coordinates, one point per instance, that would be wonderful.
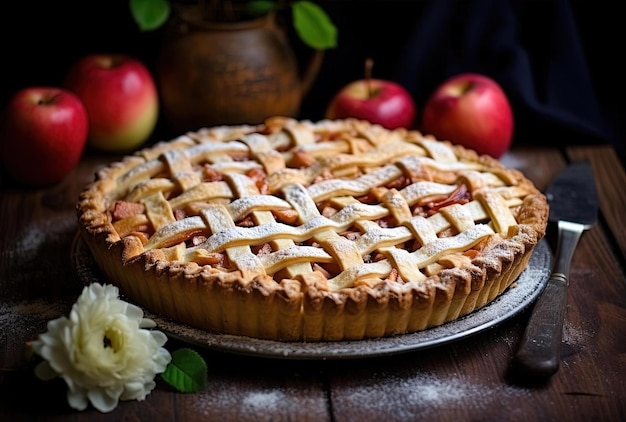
(294, 230)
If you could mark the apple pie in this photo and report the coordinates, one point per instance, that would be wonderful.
(311, 231)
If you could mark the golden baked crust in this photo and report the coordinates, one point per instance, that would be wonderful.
(294, 230)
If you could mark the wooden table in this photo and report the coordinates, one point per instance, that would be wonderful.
(466, 380)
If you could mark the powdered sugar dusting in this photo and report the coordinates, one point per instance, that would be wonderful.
(261, 401)
(33, 237)
(26, 320)
(575, 336)
(355, 187)
(37, 259)
(47, 238)
(424, 395)
(18, 314)
(43, 310)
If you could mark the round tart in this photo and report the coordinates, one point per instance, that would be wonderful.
(299, 230)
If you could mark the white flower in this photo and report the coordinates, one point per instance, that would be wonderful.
(102, 350)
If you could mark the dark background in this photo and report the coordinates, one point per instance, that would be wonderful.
(559, 61)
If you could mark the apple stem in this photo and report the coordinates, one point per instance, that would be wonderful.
(47, 100)
(369, 64)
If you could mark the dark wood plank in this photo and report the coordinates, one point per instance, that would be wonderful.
(538, 164)
(466, 380)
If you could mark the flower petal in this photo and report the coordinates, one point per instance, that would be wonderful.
(77, 400)
(102, 401)
(44, 372)
(103, 351)
(147, 323)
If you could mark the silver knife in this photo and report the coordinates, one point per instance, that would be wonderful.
(573, 201)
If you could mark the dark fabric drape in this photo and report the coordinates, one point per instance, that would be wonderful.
(532, 48)
(536, 57)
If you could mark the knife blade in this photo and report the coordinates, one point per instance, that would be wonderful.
(573, 201)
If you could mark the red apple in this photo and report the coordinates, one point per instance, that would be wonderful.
(379, 101)
(471, 110)
(121, 99)
(43, 134)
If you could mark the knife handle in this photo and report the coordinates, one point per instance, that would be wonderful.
(538, 354)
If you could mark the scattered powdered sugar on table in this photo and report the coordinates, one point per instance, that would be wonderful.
(34, 237)
(427, 394)
(246, 402)
(39, 249)
(575, 336)
(258, 401)
(262, 400)
(35, 309)
(26, 320)
(27, 316)
(38, 256)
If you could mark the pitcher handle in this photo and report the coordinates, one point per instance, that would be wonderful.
(311, 71)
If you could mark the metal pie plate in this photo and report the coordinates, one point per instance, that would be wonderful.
(513, 301)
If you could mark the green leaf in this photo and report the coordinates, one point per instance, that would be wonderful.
(260, 7)
(313, 25)
(150, 14)
(187, 372)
